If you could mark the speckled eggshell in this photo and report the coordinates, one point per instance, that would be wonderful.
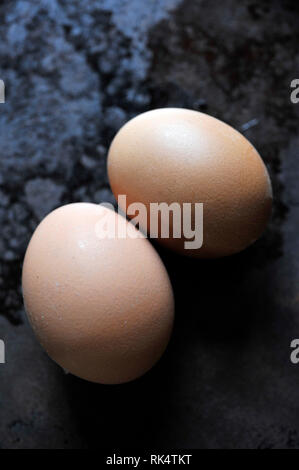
(179, 155)
(102, 308)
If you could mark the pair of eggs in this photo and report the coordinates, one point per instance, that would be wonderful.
(103, 307)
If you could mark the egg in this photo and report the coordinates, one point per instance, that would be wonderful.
(100, 304)
(184, 157)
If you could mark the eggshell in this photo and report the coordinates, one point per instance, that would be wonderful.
(179, 155)
(102, 308)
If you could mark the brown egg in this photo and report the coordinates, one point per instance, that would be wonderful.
(183, 156)
(101, 307)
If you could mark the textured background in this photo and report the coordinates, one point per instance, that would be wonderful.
(75, 71)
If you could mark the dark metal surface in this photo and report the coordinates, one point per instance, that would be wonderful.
(74, 73)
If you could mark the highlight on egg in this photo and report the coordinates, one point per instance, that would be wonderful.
(178, 156)
(102, 308)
